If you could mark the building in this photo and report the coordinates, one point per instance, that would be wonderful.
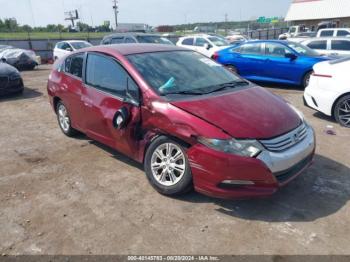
(313, 12)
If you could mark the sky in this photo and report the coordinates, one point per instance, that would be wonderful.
(152, 12)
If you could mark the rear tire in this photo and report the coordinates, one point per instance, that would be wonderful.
(306, 79)
(342, 111)
(167, 167)
(64, 120)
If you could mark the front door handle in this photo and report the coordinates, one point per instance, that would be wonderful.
(87, 102)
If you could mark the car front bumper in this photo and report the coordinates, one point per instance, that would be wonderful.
(11, 86)
(249, 177)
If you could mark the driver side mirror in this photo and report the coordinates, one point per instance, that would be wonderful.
(121, 118)
(69, 49)
(207, 46)
(291, 56)
(3, 60)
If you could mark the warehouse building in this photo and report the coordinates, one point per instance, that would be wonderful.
(313, 12)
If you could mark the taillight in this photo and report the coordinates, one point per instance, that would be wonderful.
(215, 56)
(322, 75)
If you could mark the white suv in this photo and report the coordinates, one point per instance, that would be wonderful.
(334, 32)
(337, 46)
(204, 44)
(66, 47)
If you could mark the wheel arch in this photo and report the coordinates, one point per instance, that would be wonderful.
(56, 99)
(310, 70)
(336, 101)
(157, 135)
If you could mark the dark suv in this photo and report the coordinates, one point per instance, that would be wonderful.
(124, 38)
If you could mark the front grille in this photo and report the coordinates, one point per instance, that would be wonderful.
(4, 81)
(15, 83)
(285, 175)
(286, 141)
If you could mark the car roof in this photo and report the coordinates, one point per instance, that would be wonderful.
(267, 41)
(326, 38)
(197, 35)
(342, 28)
(130, 49)
(74, 41)
(130, 34)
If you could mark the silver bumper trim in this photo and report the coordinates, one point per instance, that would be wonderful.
(281, 161)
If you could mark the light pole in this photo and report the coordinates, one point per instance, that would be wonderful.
(115, 7)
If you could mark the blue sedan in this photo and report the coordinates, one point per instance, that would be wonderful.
(271, 61)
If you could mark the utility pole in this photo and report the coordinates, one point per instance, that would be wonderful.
(115, 7)
(226, 20)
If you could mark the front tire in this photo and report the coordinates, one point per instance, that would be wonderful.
(342, 111)
(64, 120)
(167, 167)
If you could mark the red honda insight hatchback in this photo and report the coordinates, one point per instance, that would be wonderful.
(190, 121)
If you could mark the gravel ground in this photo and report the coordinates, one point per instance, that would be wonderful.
(75, 196)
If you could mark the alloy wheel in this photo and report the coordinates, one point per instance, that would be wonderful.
(63, 118)
(168, 164)
(344, 113)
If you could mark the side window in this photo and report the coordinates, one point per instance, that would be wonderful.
(251, 49)
(273, 49)
(188, 41)
(129, 40)
(106, 74)
(59, 45)
(201, 41)
(76, 65)
(67, 63)
(341, 45)
(343, 33)
(106, 41)
(322, 45)
(65, 46)
(327, 33)
(117, 40)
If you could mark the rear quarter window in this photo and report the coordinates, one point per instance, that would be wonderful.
(343, 33)
(342, 45)
(74, 65)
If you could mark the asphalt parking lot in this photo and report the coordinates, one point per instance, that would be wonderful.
(74, 196)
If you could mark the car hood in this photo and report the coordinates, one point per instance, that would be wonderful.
(6, 69)
(252, 113)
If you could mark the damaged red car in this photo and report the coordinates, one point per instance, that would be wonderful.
(190, 121)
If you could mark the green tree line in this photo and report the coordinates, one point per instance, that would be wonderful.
(11, 25)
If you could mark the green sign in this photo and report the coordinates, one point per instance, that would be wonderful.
(267, 20)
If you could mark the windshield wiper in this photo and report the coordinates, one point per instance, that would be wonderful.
(220, 87)
(183, 93)
(232, 84)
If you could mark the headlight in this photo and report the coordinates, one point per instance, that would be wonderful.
(298, 112)
(15, 76)
(247, 148)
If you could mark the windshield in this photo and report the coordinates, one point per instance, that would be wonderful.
(218, 41)
(303, 50)
(182, 72)
(80, 45)
(153, 39)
